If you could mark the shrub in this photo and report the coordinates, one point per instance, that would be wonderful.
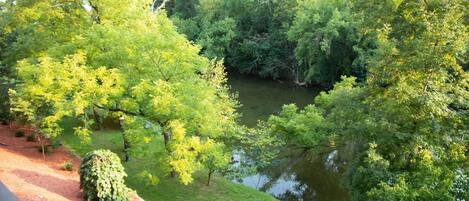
(31, 138)
(67, 165)
(19, 133)
(102, 177)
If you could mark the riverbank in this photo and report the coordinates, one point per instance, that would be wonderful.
(261, 98)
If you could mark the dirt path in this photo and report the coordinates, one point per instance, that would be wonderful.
(31, 178)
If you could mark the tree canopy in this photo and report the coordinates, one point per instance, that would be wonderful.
(119, 59)
(406, 127)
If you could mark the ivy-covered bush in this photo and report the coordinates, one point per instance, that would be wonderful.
(102, 177)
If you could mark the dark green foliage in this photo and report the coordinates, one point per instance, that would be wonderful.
(31, 137)
(309, 42)
(325, 36)
(250, 35)
(102, 177)
(19, 133)
(4, 102)
(408, 123)
(56, 144)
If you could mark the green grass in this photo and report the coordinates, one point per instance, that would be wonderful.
(168, 189)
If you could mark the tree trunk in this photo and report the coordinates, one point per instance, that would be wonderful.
(166, 139)
(209, 177)
(126, 147)
(96, 119)
(42, 148)
(166, 145)
(174, 174)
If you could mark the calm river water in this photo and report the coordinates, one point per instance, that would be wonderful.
(307, 178)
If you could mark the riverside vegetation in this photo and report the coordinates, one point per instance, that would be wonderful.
(396, 105)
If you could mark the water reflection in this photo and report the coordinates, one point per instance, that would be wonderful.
(297, 178)
(300, 178)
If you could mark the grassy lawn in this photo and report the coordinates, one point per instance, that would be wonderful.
(168, 189)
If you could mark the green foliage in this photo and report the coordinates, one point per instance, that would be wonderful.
(415, 92)
(68, 166)
(325, 35)
(250, 35)
(306, 128)
(153, 162)
(102, 176)
(19, 134)
(120, 60)
(213, 157)
(216, 37)
(307, 41)
(460, 186)
(408, 123)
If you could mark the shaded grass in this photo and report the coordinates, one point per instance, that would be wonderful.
(168, 189)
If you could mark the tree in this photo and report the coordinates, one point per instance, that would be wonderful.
(126, 62)
(325, 34)
(213, 157)
(416, 91)
(249, 35)
(307, 41)
(407, 124)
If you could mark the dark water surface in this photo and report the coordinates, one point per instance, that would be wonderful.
(302, 177)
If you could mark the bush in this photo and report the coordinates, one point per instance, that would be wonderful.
(102, 177)
(19, 133)
(68, 165)
(31, 138)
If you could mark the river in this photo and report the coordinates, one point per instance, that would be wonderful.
(299, 177)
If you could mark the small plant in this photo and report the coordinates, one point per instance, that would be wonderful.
(46, 149)
(102, 176)
(56, 144)
(31, 138)
(67, 165)
(19, 134)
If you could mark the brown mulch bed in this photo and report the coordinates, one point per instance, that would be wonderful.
(31, 177)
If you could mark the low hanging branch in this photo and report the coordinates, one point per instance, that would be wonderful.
(162, 5)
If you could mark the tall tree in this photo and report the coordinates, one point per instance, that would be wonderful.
(126, 62)
(406, 127)
(325, 34)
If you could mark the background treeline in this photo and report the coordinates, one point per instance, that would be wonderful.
(308, 42)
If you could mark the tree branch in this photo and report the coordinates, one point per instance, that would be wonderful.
(139, 113)
(162, 5)
(96, 17)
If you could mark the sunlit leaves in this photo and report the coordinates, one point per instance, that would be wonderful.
(118, 59)
(59, 89)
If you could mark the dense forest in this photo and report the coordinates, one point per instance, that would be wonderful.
(308, 42)
(396, 104)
